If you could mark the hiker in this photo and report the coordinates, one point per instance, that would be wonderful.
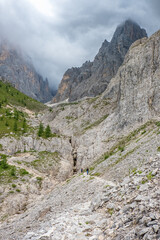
(87, 171)
(81, 170)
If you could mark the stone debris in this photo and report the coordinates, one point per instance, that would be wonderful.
(85, 209)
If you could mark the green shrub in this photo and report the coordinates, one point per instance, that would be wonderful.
(158, 149)
(13, 171)
(121, 148)
(158, 124)
(3, 162)
(23, 172)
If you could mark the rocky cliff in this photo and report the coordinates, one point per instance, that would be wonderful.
(19, 71)
(93, 77)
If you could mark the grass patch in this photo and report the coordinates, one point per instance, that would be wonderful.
(8, 173)
(96, 174)
(18, 190)
(144, 181)
(23, 172)
(11, 191)
(46, 161)
(91, 178)
(111, 211)
(69, 118)
(14, 185)
(92, 100)
(158, 149)
(158, 124)
(13, 121)
(149, 176)
(96, 123)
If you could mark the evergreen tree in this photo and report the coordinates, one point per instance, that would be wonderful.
(48, 131)
(40, 130)
(15, 126)
(24, 126)
(16, 114)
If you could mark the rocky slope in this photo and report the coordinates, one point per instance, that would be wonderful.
(30, 166)
(90, 207)
(19, 71)
(93, 77)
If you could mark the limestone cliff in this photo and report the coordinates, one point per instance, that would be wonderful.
(20, 72)
(93, 77)
(131, 99)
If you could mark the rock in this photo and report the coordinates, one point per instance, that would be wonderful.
(143, 231)
(141, 198)
(110, 206)
(20, 72)
(156, 228)
(155, 171)
(1, 190)
(152, 223)
(93, 77)
(152, 216)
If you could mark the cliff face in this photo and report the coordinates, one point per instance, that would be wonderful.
(131, 99)
(21, 73)
(93, 77)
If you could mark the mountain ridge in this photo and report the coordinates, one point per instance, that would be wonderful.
(93, 77)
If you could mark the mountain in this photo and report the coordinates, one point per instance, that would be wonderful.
(20, 72)
(93, 77)
(43, 193)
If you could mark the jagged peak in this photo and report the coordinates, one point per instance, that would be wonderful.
(129, 27)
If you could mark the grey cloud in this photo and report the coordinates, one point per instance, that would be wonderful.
(74, 33)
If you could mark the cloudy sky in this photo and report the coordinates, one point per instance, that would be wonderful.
(60, 34)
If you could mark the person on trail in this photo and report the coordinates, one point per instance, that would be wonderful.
(87, 171)
(81, 170)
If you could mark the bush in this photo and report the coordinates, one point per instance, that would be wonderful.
(3, 163)
(13, 171)
(23, 172)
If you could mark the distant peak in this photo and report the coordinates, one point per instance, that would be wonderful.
(130, 30)
(130, 22)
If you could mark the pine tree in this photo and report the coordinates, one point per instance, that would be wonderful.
(15, 126)
(48, 131)
(24, 126)
(41, 130)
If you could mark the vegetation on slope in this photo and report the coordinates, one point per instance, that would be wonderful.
(13, 120)
(10, 95)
